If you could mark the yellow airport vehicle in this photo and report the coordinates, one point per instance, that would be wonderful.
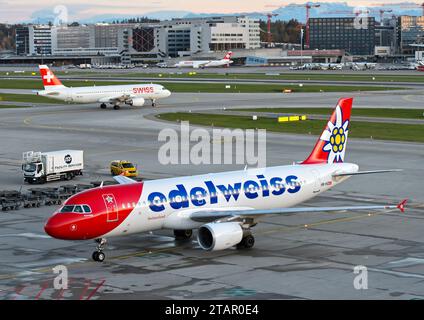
(123, 167)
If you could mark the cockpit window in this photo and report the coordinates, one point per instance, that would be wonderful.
(67, 209)
(76, 209)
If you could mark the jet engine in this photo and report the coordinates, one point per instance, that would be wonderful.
(219, 236)
(137, 102)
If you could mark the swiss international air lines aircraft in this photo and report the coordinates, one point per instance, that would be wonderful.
(116, 95)
(223, 206)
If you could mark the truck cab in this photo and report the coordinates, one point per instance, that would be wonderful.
(33, 171)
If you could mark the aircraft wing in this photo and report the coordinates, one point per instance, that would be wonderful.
(209, 215)
(124, 180)
(117, 98)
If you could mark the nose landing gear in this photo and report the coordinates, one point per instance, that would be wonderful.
(99, 255)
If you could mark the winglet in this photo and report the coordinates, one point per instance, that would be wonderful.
(401, 205)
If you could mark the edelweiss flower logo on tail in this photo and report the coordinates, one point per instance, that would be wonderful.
(331, 145)
(335, 137)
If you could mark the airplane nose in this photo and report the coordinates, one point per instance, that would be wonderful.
(59, 227)
(52, 227)
(167, 93)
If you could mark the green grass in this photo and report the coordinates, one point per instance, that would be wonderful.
(362, 112)
(7, 106)
(283, 76)
(382, 131)
(32, 98)
(336, 76)
(201, 87)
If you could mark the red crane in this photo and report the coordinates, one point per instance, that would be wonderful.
(268, 29)
(308, 7)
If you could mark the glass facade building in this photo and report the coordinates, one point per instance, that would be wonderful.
(22, 41)
(411, 31)
(356, 37)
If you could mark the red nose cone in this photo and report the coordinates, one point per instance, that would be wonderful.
(61, 227)
(53, 227)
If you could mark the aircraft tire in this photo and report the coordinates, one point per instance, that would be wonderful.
(183, 234)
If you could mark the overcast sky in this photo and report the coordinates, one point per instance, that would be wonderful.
(13, 11)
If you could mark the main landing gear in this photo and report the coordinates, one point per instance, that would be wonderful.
(99, 255)
(153, 103)
(103, 106)
(116, 107)
(247, 242)
(182, 235)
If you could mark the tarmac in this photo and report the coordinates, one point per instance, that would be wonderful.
(299, 256)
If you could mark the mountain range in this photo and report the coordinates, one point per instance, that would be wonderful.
(290, 11)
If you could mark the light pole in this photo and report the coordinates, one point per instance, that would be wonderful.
(301, 46)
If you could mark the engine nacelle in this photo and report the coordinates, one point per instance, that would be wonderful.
(137, 102)
(219, 236)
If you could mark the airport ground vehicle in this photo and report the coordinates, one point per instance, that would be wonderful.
(224, 207)
(40, 167)
(123, 167)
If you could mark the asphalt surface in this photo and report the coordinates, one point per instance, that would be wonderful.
(300, 256)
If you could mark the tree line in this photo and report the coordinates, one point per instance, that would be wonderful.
(282, 31)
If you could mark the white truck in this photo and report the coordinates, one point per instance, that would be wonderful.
(40, 167)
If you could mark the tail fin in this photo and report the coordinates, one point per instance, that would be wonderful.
(228, 55)
(50, 81)
(331, 146)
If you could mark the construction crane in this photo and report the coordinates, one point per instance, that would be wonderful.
(268, 29)
(308, 6)
(403, 6)
(414, 7)
(382, 12)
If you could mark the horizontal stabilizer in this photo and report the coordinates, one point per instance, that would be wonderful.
(364, 172)
(209, 215)
(124, 180)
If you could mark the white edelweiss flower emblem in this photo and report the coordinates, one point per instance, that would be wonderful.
(336, 136)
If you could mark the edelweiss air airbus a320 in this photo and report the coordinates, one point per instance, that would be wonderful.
(131, 94)
(223, 206)
(206, 63)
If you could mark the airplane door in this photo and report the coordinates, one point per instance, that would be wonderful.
(317, 181)
(111, 207)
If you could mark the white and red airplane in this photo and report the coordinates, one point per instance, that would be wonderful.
(223, 206)
(206, 63)
(131, 94)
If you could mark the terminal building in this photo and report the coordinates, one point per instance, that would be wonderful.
(181, 37)
(33, 40)
(137, 43)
